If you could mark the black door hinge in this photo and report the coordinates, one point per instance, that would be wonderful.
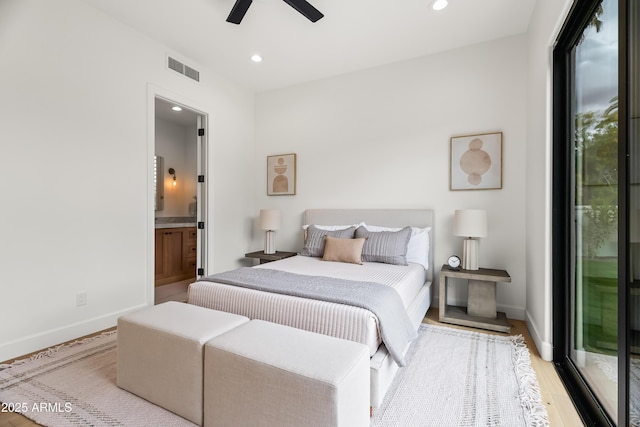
(200, 178)
(201, 225)
(201, 132)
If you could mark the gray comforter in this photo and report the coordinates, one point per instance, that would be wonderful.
(395, 327)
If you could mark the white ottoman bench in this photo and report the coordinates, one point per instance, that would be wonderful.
(161, 354)
(265, 374)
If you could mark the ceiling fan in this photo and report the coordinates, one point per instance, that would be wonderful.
(241, 6)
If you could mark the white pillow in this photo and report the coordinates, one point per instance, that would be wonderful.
(332, 227)
(418, 246)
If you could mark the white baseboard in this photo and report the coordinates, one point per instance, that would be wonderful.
(544, 348)
(43, 340)
(512, 312)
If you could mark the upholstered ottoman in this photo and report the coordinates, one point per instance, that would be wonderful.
(266, 374)
(161, 353)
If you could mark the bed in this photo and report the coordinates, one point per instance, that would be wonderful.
(412, 282)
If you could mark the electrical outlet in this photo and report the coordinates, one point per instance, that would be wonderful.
(81, 299)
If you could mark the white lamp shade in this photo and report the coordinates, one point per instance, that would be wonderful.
(269, 219)
(470, 223)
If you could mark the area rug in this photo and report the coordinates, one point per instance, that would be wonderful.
(459, 378)
(75, 385)
(453, 378)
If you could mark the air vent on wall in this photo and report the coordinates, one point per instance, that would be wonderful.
(183, 69)
(191, 73)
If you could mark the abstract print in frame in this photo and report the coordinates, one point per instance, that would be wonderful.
(476, 162)
(281, 175)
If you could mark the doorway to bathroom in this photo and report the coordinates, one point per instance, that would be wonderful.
(179, 205)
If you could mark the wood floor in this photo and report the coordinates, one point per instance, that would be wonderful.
(172, 292)
(559, 406)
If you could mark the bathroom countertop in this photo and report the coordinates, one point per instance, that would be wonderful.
(175, 222)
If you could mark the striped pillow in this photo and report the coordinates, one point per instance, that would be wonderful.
(314, 241)
(389, 247)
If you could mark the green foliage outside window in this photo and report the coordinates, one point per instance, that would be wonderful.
(597, 175)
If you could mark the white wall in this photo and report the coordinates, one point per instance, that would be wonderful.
(380, 139)
(177, 144)
(77, 206)
(543, 30)
(77, 89)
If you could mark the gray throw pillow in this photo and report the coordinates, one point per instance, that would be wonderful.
(314, 243)
(389, 247)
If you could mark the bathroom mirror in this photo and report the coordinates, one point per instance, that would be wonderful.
(158, 181)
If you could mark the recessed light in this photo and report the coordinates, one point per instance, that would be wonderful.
(176, 108)
(439, 4)
(256, 58)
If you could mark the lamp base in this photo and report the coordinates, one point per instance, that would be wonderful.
(470, 254)
(270, 242)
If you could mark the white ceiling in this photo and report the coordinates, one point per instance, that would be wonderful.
(185, 117)
(353, 35)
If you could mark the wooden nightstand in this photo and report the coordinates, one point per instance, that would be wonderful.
(481, 303)
(264, 258)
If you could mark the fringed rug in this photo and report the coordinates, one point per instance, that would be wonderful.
(453, 378)
(458, 378)
(75, 385)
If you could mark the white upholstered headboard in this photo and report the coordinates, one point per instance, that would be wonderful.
(383, 217)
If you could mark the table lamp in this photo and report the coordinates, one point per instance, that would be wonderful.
(470, 223)
(270, 221)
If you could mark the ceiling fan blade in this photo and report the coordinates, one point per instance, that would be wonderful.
(305, 8)
(238, 11)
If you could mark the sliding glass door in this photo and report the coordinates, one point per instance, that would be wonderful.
(596, 220)
(594, 293)
(632, 124)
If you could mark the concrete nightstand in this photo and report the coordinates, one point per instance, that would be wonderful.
(481, 302)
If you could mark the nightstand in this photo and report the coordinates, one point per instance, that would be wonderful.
(481, 302)
(264, 258)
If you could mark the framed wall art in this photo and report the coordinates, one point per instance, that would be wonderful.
(281, 175)
(476, 162)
